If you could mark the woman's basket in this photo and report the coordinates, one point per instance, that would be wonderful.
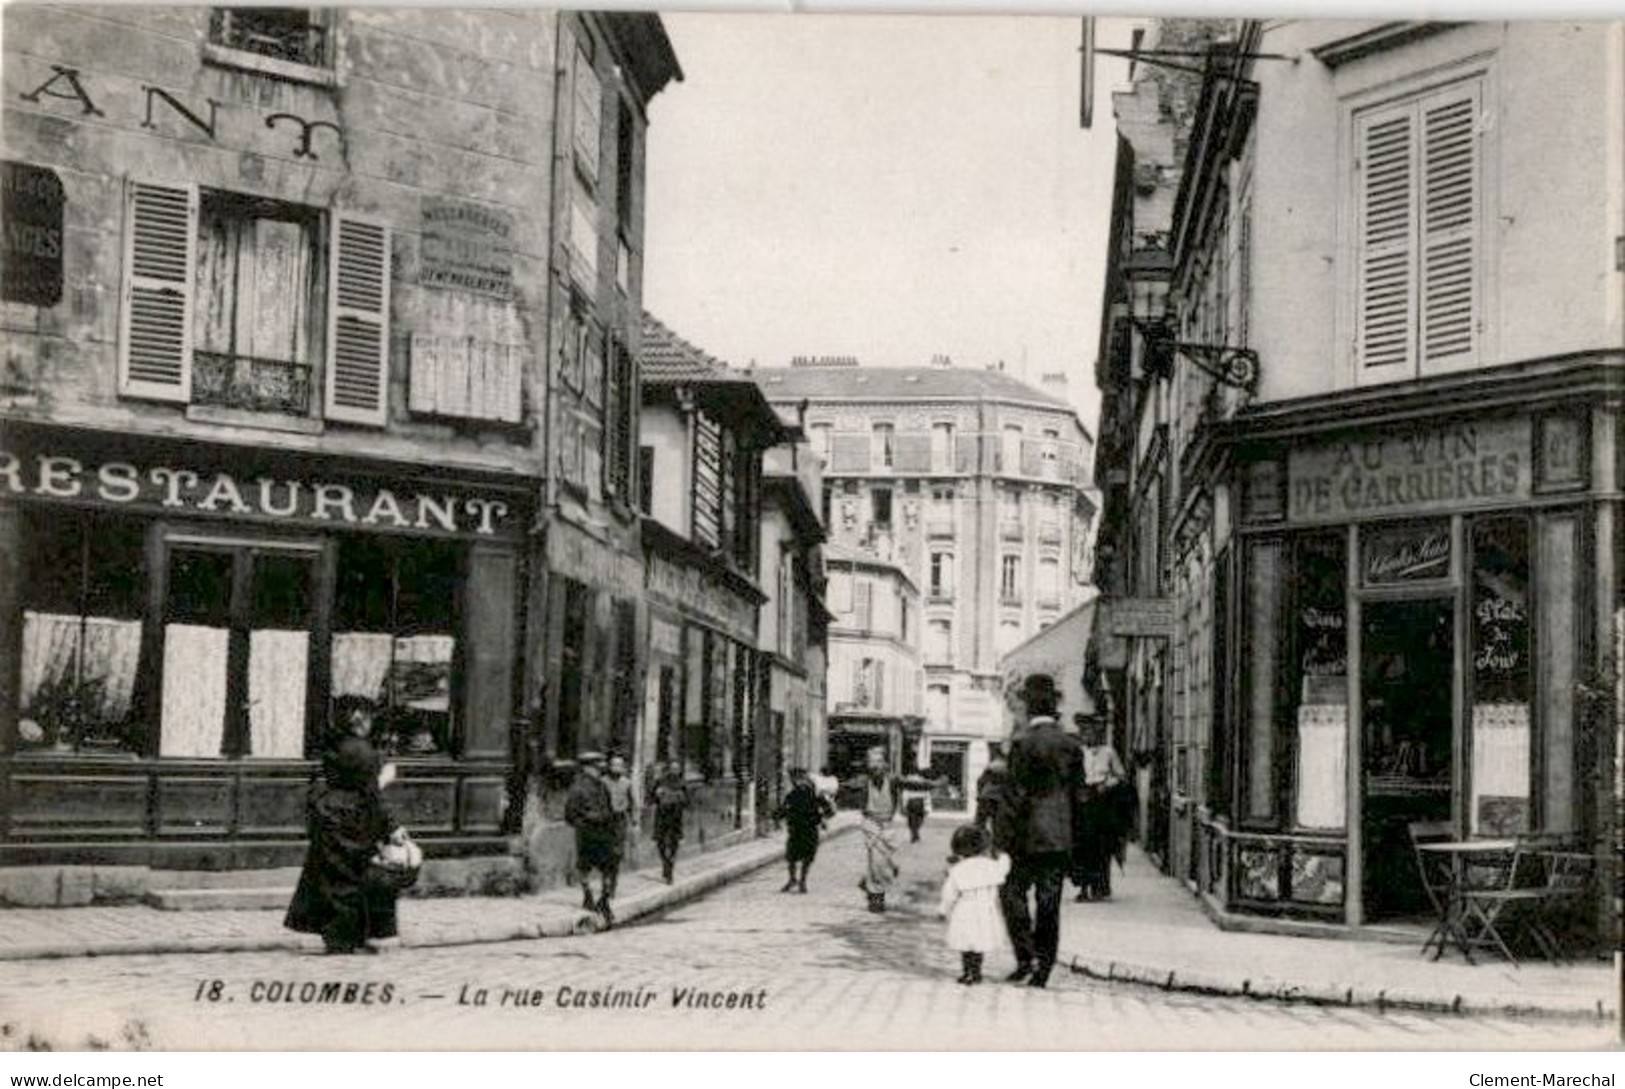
(396, 864)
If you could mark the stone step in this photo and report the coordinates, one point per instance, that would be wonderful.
(220, 899)
(223, 879)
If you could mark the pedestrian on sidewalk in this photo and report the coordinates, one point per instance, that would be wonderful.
(590, 811)
(991, 787)
(670, 796)
(347, 822)
(879, 807)
(915, 791)
(970, 900)
(1098, 833)
(1046, 777)
(621, 798)
(803, 812)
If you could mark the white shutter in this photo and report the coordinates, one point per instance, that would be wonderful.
(160, 267)
(1385, 302)
(358, 322)
(1450, 214)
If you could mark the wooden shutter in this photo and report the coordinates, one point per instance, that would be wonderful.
(911, 452)
(1385, 301)
(1450, 202)
(160, 262)
(358, 322)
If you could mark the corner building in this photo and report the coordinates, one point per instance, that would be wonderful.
(274, 421)
(1392, 541)
(975, 485)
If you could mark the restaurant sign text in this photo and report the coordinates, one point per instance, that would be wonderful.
(169, 489)
(1445, 467)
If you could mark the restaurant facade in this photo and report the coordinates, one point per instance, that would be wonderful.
(272, 439)
(1388, 482)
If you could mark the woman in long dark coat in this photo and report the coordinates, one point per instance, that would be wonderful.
(347, 821)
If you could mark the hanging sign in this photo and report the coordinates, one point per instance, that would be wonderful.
(1457, 466)
(31, 218)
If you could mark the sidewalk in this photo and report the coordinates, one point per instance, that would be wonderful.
(1153, 931)
(36, 933)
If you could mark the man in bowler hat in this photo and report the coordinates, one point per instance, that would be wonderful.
(1046, 779)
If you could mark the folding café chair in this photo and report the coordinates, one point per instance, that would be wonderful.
(1435, 873)
(1496, 892)
(1568, 881)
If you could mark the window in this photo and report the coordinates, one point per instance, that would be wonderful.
(826, 503)
(82, 602)
(942, 574)
(1010, 451)
(394, 640)
(942, 447)
(626, 136)
(295, 35)
(257, 327)
(939, 642)
(937, 706)
(863, 603)
(1009, 636)
(646, 479)
(1418, 197)
(820, 433)
(1009, 504)
(620, 420)
(1010, 578)
(884, 446)
(1049, 580)
(1051, 452)
(230, 302)
(880, 500)
(902, 618)
(723, 495)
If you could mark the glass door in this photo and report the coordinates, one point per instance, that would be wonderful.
(236, 655)
(1407, 650)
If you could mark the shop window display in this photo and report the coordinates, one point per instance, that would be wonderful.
(1500, 677)
(394, 640)
(1321, 691)
(81, 645)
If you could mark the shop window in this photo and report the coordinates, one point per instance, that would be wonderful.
(81, 648)
(1502, 677)
(623, 681)
(695, 739)
(1263, 584)
(395, 641)
(1320, 691)
(294, 35)
(1219, 754)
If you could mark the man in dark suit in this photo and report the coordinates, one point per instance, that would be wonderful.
(1046, 777)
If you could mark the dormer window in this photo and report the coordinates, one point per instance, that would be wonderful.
(295, 35)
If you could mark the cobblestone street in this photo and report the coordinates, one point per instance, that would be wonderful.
(818, 970)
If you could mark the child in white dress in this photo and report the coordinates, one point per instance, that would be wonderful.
(970, 900)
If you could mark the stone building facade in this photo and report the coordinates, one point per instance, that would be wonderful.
(279, 363)
(976, 486)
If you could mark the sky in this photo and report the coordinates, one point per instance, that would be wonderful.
(886, 187)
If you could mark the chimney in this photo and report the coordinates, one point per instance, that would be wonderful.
(1053, 381)
(824, 361)
(942, 360)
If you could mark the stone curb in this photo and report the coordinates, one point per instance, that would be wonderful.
(556, 922)
(1265, 988)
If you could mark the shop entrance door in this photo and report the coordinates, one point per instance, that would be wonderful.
(1408, 715)
(237, 639)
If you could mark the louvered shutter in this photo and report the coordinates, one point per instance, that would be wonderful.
(358, 322)
(1385, 303)
(1450, 198)
(160, 261)
(912, 452)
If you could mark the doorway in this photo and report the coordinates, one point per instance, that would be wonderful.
(1408, 719)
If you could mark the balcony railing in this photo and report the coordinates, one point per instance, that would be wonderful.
(280, 33)
(248, 382)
